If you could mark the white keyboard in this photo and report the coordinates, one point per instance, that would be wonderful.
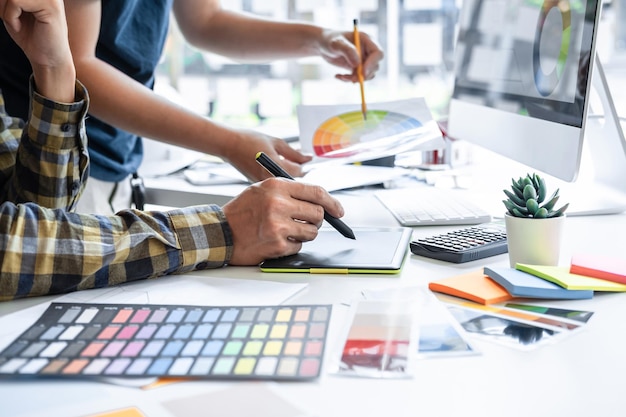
(429, 206)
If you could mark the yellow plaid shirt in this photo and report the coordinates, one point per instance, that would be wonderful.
(46, 249)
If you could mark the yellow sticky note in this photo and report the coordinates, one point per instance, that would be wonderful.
(126, 412)
(560, 275)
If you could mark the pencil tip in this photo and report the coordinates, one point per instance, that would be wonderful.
(355, 21)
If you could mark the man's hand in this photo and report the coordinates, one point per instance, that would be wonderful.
(40, 29)
(272, 218)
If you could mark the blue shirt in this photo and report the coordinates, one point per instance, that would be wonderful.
(132, 36)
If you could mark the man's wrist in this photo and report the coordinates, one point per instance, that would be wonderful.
(56, 83)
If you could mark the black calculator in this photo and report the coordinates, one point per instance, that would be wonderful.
(464, 245)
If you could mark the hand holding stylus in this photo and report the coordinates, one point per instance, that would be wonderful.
(273, 218)
(277, 171)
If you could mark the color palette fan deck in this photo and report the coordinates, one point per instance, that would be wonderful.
(124, 340)
(349, 133)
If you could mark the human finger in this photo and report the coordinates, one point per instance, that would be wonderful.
(10, 13)
(372, 56)
(290, 153)
(320, 198)
(290, 159)
(264, 222)
(338, 49)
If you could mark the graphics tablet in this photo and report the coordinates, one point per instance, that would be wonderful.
(374, 251)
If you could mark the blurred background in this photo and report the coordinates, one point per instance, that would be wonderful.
(418, 37)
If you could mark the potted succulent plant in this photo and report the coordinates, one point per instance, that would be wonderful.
(534, 227)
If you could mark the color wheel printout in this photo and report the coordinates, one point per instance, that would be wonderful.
(340, 133)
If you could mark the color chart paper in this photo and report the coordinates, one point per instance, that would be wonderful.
(124, 340)
(338, 134)
(379, 339)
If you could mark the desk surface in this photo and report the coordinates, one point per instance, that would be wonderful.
(578, 376)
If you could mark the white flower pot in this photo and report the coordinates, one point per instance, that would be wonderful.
(534, 241)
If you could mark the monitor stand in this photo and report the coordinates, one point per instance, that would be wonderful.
(600, 187)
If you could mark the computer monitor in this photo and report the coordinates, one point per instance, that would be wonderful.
(525, 72)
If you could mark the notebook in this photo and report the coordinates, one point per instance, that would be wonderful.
(374, 251)
(522, 284)
(474, 286)
(597, 266)
(560, 275)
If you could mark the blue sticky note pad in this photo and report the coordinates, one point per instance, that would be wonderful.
(522, 284)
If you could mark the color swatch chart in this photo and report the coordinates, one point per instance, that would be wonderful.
(124, 340)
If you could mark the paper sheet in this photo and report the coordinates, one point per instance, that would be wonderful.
(260, 401)
(439, 333)
(335, 178)
(378, 340)
(339, 134)
(175, 289)
(331, 178)
(508, 326)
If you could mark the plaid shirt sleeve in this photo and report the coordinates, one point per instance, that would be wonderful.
(52, 251)
(50, 164)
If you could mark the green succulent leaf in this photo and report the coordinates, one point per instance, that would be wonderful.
(542, 190)
(515, 199)
(535, 179)
(518, 213)
(527, 198)
(532, 206)
(522, 209)
(552, 202)
(512, 207)
(559, 212)
(518, 188)
(509, 206)
(542, 213)
(529, 192)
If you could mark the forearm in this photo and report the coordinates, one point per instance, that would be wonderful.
(52, 251)
(250, 38)
(246, 37)
(125, 103)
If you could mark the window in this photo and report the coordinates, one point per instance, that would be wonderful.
(417, 36)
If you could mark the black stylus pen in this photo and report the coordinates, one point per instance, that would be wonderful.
(277, 171)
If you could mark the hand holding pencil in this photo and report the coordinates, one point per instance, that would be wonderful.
(341, 50)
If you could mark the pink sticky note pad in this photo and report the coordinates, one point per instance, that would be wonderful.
(599, 266)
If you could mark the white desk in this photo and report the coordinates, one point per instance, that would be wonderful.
(580, 375)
